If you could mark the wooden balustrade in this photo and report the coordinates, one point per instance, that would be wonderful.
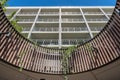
(20, 52)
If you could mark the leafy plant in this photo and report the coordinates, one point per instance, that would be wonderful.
(20, 61)
(16, 26)
(92, 49)
(65, 60)
(13, 22)
(34, 45)
(89, 47)
(11, 15)
(3, 4)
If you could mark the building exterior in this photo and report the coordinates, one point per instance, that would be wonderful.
(98, 59)
(61, 26)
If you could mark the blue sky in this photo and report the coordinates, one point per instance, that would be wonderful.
(61, 2)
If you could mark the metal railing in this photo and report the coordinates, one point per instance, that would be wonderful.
(45, 29)
(64, 41)
(26, 29)
(48, 20)
(96, 28)
(72, 20)
(57, 29)
(74, 29)
(71, 13)
(73, 41)
(46, 41)
(44, 13)
(93, 13)
(100, 19)
(8, 13)
(108, 12)
(25, 20)
(26, 13)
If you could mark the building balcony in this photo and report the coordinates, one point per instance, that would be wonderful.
(25, 20)
(7, 13)
(93, 13)
(49, 13)
(48, 20)
(57, 29)
(27, 13)
(66, 13)
(97, 19)
(73, 41)
(26, 29)
(108, 12)
(96, 28)
(72, 20)
(45, 42)
(74, 29)
(46, 29)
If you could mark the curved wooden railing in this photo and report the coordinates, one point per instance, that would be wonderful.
(20, 52)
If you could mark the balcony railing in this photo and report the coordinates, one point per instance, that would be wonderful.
(26, 29)
(48, 20)
(27, 13)
(73, 41)
(44, 13)
(64, 41)
(8, 13)
(71, 13)
(46, 29)
(93, 13)
(25, 20)
(57, 29)
(96, 28)
(46, 41)
(74, 29)
(97, 19)
(108, 12)
(72, 20)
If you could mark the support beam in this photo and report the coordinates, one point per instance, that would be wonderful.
(60, 30)
(15, 14)
(91, 35)
(29, 35)
(104, 13)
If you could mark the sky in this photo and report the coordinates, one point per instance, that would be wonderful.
(61, 2)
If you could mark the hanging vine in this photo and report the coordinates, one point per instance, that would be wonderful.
(22, 53)
(3, 4)
(13, 22)
(93, 53)
(65, 61)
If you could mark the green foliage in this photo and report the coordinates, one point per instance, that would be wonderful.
(65, 77)
(80, 42)
(35, 44)
(20, 62)
(16, 26)
(20, 69)
(65, 60)
(69, 51)
(11, 15)
(3, 4)
(21, 54)
(13, 22)
(26, 35)
(89, 47)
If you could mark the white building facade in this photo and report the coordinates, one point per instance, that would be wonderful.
(61, 26)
